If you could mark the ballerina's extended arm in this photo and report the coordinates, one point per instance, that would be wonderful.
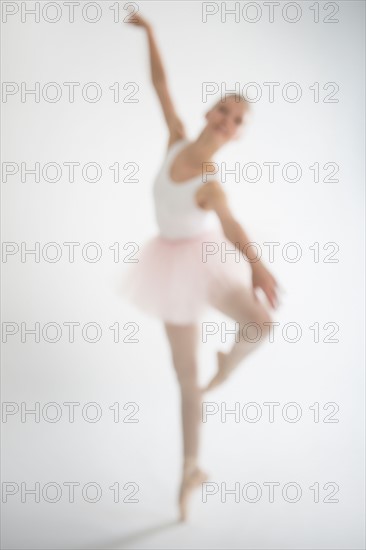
(159, 80)
(211, 196)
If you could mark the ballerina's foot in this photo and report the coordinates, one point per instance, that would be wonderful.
(223, 372)
(189, 483)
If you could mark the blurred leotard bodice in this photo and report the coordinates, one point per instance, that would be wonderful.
(177, 214)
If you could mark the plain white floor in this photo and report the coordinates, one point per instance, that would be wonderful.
(146, 455)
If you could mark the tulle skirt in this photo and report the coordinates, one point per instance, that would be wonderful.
(177, 280)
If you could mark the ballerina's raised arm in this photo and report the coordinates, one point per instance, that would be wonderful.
(159, 80)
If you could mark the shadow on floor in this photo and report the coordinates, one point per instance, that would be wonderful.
(120, 542)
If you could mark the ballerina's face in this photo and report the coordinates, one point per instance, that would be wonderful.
(226, 118)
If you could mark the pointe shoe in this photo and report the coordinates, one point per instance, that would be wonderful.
(223, 372)
(189, 483)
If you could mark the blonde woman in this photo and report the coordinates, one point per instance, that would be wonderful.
(177, 275)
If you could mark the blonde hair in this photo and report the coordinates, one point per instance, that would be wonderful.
(239, 98)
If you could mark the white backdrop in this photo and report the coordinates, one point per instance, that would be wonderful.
(310, 373)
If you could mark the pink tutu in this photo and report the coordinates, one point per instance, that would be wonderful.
(175, 279)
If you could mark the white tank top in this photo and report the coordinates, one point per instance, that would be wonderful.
(176, 212)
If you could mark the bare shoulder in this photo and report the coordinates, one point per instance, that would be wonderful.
(177, 131)
(211, 195)
(174, 139)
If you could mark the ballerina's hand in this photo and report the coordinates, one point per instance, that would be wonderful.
(137, 20)
(263, 279)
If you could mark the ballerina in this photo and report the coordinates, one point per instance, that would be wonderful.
(177, 276)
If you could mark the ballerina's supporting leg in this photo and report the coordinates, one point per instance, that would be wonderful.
(183, 341)
(239, 304)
